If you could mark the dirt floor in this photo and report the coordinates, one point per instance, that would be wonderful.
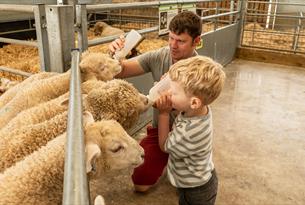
(259, 142)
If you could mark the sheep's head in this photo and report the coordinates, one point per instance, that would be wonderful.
(118, 100)
(98, 66)
(6, 84)
(99, 27)
(109, 147)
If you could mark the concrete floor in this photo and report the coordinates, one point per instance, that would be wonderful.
(259, 142)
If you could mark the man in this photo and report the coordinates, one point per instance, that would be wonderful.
(185, 30)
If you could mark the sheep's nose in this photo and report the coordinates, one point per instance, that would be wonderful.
(142, 156)
(146, 100)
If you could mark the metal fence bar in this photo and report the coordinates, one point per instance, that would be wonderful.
(219, 15)
(76, 189)
(107, 39)
(81, 27)
(42, 37)
(99, 7)
(21, 42)
(15, 71)
(19, 8)
(277, 15)
(278, 3)
(297, 33)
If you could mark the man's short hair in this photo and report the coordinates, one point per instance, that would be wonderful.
(186, 22)
(199, 76)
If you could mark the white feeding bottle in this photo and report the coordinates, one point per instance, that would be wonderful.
(157, 89)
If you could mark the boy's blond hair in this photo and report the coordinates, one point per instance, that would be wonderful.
(199, 76)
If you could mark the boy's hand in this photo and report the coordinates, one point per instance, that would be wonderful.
(117, 44)
(164, 103)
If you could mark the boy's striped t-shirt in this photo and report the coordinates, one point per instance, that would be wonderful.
(189, 145)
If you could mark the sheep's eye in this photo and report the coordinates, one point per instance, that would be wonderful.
(117, 149)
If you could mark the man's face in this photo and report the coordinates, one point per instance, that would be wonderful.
(181, 46)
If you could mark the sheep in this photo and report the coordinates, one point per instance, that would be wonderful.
(9, 94)
(124, 103)
(47, 110)
(102, 29)
(93, 66)
(17, 143)
(6, 84)
(38, 179)
(117, 99)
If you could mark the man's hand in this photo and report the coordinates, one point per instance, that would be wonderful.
(117, 44)
(164, 103)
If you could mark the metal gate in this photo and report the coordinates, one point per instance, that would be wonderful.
(274, 25)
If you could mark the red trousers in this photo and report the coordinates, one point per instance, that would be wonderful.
(155, 160)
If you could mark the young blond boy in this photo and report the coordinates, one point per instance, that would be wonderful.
(195, 83)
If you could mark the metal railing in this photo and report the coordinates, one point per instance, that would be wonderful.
(40, 22)
(76, 189)
(272, 29)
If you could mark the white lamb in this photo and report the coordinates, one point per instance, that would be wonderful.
(17, 143)
(117, 99)
(9, 94)
(38, 179)
(47, 110)
(93, 66)
(6, 84)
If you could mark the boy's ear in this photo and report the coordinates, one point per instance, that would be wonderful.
(196, 103)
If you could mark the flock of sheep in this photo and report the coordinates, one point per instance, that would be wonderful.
(33, 122)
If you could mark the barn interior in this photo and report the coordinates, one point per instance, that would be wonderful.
(259, 140)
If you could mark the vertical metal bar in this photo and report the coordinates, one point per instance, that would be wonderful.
(216, 19)
(242, 8)
(76, 189)
(81, 26)
(60, 24)
(231, 9)
(269, 13)
(275, 11)
(42, 37)
(297, 33)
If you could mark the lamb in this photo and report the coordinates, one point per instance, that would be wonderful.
(102, 102)
(6, 84)
(93, 66)
(123, 103)
(17, 143)
(102, 29)
(38, 179)
(9, 94)
(47, 110)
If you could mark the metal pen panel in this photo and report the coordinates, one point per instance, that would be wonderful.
(60, 27)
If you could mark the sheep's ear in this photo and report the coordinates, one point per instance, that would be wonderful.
(87, 118)
(99, 200)
(65, 101)
(85, 54)
(92, 153)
